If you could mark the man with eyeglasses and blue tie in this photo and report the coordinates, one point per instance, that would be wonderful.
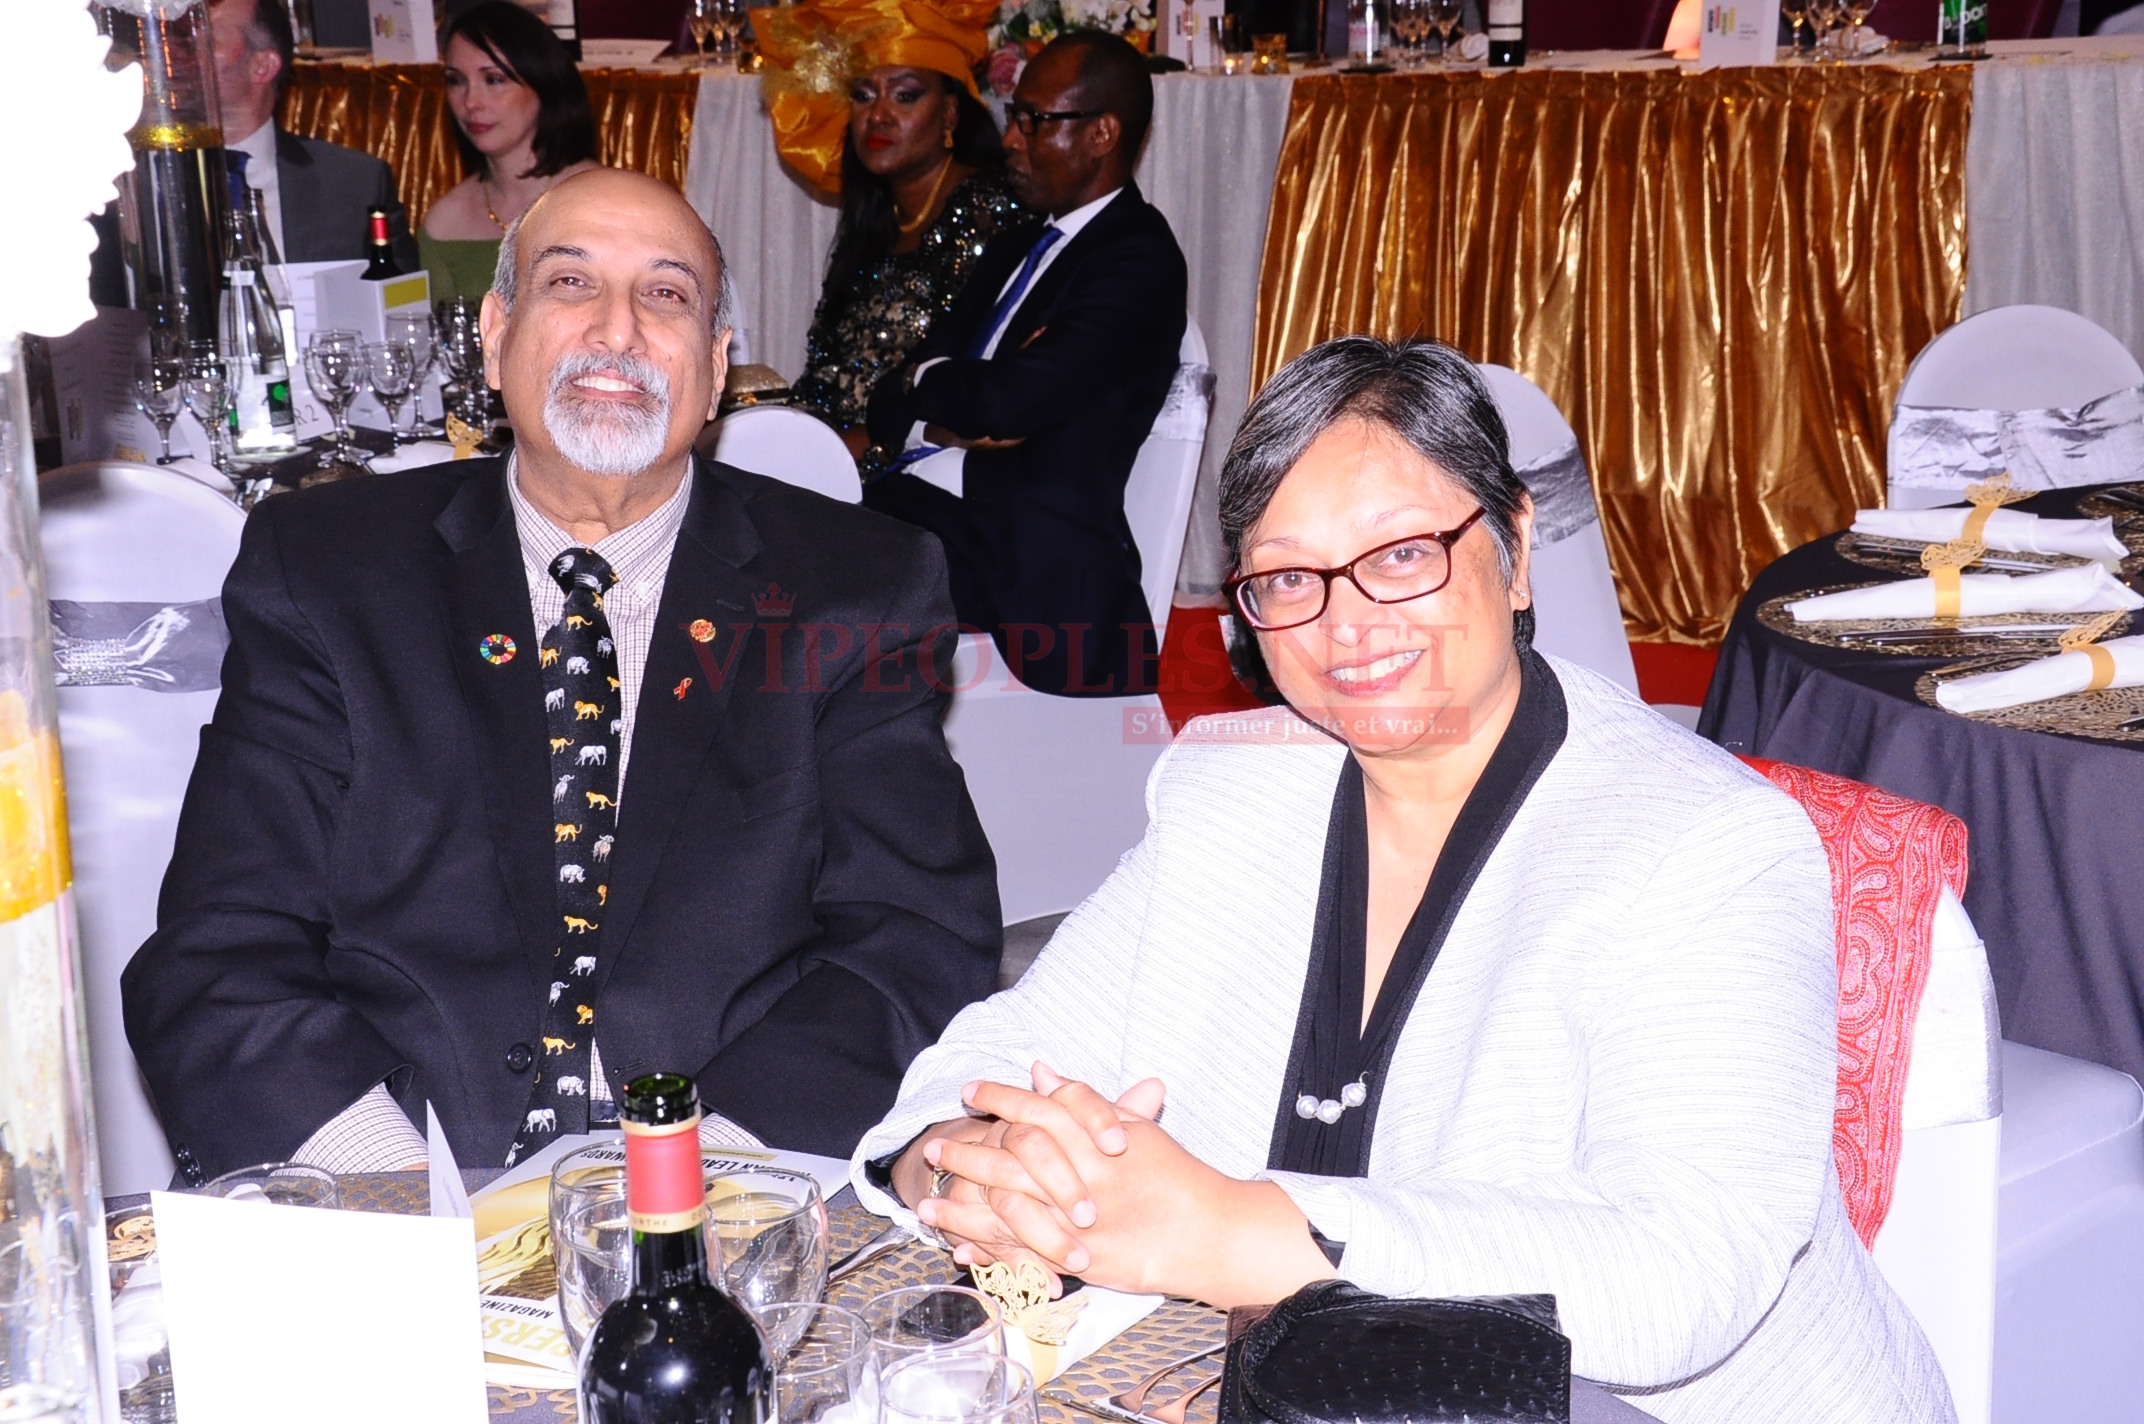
(1021, 413)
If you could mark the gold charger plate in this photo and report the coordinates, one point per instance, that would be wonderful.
(2078, 714)
(1846, 632)
(1883, 555)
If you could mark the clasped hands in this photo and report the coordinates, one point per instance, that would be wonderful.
(1084, 1186)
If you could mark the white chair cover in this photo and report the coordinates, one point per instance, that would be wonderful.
(135, 558)
(2043, 393)
(1060, 782)
(1576, 612)
(785, 444)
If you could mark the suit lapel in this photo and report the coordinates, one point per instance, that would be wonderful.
(487, 594)
(1035, 307)
(301, 201)
(684, 692)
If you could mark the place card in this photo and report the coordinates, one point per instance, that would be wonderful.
(1738, 32)
(404, 31)
(335, 1317)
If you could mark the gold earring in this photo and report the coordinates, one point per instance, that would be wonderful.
(948, 140)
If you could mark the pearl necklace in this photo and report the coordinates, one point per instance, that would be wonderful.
(1328, 1110)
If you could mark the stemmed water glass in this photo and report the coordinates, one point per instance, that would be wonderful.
(159, 393)
(1411, 27)
(208, 396)
(766, 1239)
(1444, 14)
(392, 368)
(1796, 11)
(729, 22)
(335, 369)
(1824, 17)
(414, 330)
(1857, 14)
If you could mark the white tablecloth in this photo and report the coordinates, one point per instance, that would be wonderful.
(1208, 166)
(2054, 181)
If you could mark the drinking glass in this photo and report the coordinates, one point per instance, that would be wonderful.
(391, 367)
(592, 1246)
(1444, 14)
(278, 1184)
(159, 393)
(1410, 30)
(414, 329)
(461, 351)
(933, 1320)
(729, 23)
(1824, 17)
(766, 1237)
(956, 1389)
(335, 369)
(208, 396)
(1796, 12)
(1857, 14)
(704, 22)
(825, 1373)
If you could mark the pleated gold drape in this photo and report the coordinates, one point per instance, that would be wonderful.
(399, 112)
(1719, 277)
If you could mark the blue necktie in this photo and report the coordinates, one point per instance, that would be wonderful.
(1006, 304)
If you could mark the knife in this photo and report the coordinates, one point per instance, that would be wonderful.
(1988, 561)
(2128, 499)
(1946, 634)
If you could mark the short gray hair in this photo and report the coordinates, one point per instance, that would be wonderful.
(506, 280)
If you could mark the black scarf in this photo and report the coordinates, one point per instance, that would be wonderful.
(1332, 1047)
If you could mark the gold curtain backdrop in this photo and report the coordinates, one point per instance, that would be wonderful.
(1719, 277)
(399, 113)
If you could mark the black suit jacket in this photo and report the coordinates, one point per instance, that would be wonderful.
(1082, 370)
(325, 190)
(363, 887)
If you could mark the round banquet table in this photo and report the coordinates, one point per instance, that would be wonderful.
(2057, 820)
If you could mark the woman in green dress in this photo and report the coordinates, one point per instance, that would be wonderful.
(522, 122)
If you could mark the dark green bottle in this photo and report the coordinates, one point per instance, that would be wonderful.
(676, 1349)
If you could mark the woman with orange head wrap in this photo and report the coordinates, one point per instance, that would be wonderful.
(875, 100)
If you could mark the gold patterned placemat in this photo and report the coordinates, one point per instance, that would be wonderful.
(1894, 556)
(2110, 503)
(1849, 633)
(2079, 714)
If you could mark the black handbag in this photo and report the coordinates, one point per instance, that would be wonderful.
(1334, 1354)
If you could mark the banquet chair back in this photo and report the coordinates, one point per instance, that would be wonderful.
(1589, 24)
(1576, 612)
(2044, 392)
(1917, 1132)
(135, 558)
(1060, 782)
(785, 444)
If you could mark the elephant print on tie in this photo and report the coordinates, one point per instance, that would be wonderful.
(582, 705)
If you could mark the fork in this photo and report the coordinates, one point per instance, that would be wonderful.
(1133, 1400)
(1173, 1412)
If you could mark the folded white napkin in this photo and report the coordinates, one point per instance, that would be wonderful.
(412, 455)
(2087, 588)
(2011, 529)
(2057, 676)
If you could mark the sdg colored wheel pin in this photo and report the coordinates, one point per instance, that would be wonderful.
(496, 648)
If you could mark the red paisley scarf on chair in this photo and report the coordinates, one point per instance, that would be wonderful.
(1890, 859)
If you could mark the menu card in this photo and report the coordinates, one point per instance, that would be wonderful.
(1738, 32)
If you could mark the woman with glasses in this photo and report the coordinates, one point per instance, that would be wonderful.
(916, 161)
(1462, 973)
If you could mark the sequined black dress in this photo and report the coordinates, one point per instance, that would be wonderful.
(868, 329)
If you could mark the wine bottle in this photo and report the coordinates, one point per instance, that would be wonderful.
(1962, 29)
(251, 340)
(675, 1349)
(380, 261)
(1507, 33)
(565, 20)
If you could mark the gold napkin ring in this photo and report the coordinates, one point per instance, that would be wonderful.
(2102, 668)
(2084, 638)
(1944, 563)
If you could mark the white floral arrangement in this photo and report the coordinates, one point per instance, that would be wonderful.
(1023, 27)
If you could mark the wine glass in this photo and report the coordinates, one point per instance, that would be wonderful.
(461, 351)
(826, 1370)
(1796, 11)
(704, 22)
(592, 1245)
(392, 368)
(335, 369)
(1857, 14)
(159, 392)
(1444, 14)
(208, 396)
(1410, 27)
(934, 1320)
(729, 21)
(766, 1239)
(414, 330)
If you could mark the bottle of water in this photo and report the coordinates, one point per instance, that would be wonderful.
(251, 339)
(1364, 32)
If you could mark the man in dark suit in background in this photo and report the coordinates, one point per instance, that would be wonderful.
(412, 866)
(1048, 374)
(316, 192)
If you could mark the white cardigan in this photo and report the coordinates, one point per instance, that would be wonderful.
(1616, 1086)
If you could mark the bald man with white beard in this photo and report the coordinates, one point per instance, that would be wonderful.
(413, 866)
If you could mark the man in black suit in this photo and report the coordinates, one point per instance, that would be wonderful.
(412, 866)
(1048, 374)
(316, 192)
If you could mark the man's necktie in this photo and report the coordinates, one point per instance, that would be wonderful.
(581, 702)
(1010, 301)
